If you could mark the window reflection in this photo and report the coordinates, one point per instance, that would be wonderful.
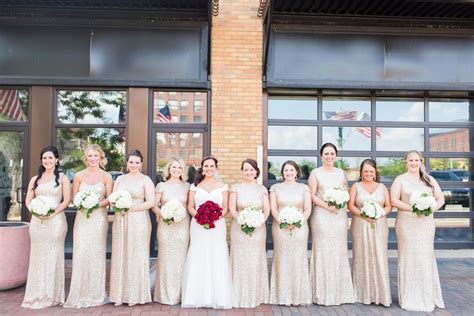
(91, 107)
(449, 139)
(173, 107)
(348, 138)
(292, 108)
(307, 164)
(390, 167)
(401, 139)
(13, 105)
(292, 137)
(346, 109)
(408, 110)
(450, 110)
(351, 166)
(457, 169)
(188, 146)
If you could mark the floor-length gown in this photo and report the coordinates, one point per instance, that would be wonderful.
(89, 255)
(419, 288)
(45, 283)
(173, 241)
(207, 278)
(290, 283)
(330, 270)
(370, 253)
(248, 255)
(130, 264)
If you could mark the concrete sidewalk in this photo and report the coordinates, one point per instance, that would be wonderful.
(456, 274)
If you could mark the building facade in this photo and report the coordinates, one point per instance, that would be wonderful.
(271, 80)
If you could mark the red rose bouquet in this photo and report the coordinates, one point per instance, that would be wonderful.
(207, 213)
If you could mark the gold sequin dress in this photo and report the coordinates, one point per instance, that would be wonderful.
(45, 284)
(130, 265)
(330, 270)
(290, 284)
(369, 253)
(248, 255)
(89, 255)
(418, 280)
(173, 242)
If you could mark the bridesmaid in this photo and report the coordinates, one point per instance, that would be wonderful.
(369, 245)
(90, 234)
(173, 239)
(130, 265)
(418, 281)
(45, 284)
(248, 254)
(290, 283)
(330, 270)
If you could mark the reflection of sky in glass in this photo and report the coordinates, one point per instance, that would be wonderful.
(275, 163)
(292, 137)
(351, 166)
(292, 109)
(352, 138)
(401, 139)
(339, 105)
(400, 110)
(111, 112)
(449, 111)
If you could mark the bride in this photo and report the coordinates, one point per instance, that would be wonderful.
(207, 279)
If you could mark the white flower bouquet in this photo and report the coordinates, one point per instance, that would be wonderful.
(87, 201)
(372, 209)
(337, 196)
(290, 216)
(121, 201)
(41, 206)
(173, 211)
(422, 203)
(250, 218)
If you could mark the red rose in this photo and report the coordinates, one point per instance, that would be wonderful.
(207, 213)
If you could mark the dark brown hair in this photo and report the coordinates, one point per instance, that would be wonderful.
(327, 145)
(199, 176)
(291, 163)
(254, 165)
(372, 163)
(41, 169)
(136, 153)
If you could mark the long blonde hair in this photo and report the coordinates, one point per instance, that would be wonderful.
(423, 175)
(98, 149)
(181, 163)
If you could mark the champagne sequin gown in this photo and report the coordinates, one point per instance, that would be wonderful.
(290, 283)
(418, 280)
(369, 253)
(248, 255)
(89, 255)
(330, 270)
(45, 283)
(130, 265)
(173, 242)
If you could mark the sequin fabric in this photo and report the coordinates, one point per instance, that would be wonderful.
(248, 255)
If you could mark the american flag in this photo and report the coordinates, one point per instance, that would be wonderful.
(354, 116)
(164, 114)
(10, 104)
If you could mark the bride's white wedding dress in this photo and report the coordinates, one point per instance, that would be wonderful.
(207, 280)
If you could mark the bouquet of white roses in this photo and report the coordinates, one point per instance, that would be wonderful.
(290, 215)
(372, 209)
(337, 196)
(87, 201)
(120, 201)
(41, 206)
(173, 211)
(250, 218)
(422, 203)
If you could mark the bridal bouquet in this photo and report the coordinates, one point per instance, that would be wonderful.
(41, 206)
(121, 201)
(87, 201)
(250, 218)
(422, 203)
(290, 216)
(372, 209)
(337, 196)
(173, 211)
(207, 213)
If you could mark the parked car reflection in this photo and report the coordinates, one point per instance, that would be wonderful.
(459, 196)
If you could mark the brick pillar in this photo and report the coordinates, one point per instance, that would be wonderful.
(236, 74)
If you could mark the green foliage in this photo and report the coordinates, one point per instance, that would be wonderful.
(393, 168)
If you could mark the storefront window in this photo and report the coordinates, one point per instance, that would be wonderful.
(348, 138)
(346, 109)
(292, 137)
(173, 107)
(403, 110)
(14, 105)
(297, 108)
(450, 110)
(400, 139)
(450, 139)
